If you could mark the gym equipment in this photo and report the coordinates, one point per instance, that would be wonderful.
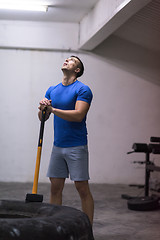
(143, 203)
(34, 197)
(146, 202)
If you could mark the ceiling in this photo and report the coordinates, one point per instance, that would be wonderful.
(143, 28)
(58, 11)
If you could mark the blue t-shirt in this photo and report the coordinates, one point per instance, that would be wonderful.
(66, 133)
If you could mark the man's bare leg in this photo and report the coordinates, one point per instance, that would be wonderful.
(86, 198)
(57, 185)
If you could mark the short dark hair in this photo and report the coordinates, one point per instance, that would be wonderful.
(80, 65)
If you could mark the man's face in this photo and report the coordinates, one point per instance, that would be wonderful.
(70, 63)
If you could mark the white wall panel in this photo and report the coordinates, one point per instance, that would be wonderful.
(38, 35)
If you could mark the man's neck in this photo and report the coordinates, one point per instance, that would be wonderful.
(67, 80)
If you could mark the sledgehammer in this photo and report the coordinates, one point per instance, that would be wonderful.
(34, 197)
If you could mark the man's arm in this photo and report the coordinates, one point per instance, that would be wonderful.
(77, 115)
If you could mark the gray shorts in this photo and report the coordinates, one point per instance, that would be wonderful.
(71, 161)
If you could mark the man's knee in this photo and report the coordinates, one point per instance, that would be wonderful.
(82, 188)
(57, 185)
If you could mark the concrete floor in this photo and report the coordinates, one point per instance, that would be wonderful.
(112, 221)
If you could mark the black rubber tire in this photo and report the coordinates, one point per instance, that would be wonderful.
(23, 221)
(143, 203)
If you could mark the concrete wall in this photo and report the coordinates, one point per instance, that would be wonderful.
(125, 109)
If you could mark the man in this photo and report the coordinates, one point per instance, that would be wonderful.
(69, 101)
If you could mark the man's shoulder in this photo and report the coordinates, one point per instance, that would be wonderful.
(49, 91)
(81, 85)
(84, 93)
(83, 88)
(53, 87)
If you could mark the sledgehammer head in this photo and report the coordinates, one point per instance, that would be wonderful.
(30, 197)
